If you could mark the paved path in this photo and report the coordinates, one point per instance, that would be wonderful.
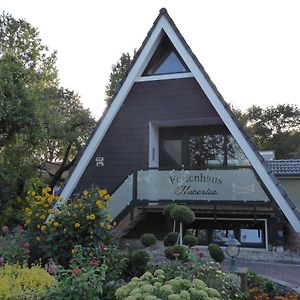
(288, 274)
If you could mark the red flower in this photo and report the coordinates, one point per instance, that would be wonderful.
(5, 229)
(26, 252)
(94, 262)
(26, 245)
(76, 271)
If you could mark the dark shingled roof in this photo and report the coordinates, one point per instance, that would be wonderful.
(285, 167)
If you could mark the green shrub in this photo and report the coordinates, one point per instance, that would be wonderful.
(171, 239)
(190, 240)
(168, 209)
(23, 283)
(139, 260)
(178, 252)
(216, 252)
(182, 214)
(82, 279)
(155, 286)
(148, 239)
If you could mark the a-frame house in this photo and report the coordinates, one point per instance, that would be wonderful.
(169, 136)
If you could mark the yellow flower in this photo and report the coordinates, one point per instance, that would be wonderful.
(85, 193)
(49, 211)
(42, 217)
(102, 225)
(107, 197)
(43, 228)
(80, 205)
(37, 214)
(32, 194)
(55, 224)
(56, 212)
(99, 204)
(27, 222)
(101, 193)
(88, 217)
(27, 209)
(77, 225)
(38, 238)
(46, 205)
(109, 227)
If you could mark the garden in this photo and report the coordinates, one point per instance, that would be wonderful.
(69, 251)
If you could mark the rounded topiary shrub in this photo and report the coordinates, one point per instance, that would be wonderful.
(168, 209)
(182, 214)
(171, 239)
(216, 252)
(148, 239)
(139, 260)
(176, 252)
(190, 240)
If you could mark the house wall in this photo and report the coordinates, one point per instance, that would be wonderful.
(126, 144)
(292, 187)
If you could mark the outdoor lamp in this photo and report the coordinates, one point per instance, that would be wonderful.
(233, 250)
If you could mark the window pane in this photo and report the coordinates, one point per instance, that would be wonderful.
(251, 236)
(174, 149)
(206, 150)
(165, 60)
(235, 156)
(222, 235)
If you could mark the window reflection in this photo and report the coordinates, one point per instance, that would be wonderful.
(251, 236)
(215, 150)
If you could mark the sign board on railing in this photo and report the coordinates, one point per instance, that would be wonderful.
(220, 185)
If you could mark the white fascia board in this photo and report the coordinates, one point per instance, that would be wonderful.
(234, 130)
(134, 73)
(165, 77)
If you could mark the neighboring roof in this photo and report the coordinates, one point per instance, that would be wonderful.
(164, 24)
(285, 167)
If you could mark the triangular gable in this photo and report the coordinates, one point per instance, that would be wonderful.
(165, 26)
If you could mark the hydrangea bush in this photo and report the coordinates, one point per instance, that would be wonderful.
(155, 286)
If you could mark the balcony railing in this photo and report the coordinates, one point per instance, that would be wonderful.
(154, 185)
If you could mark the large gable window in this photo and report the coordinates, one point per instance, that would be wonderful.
(165, 60)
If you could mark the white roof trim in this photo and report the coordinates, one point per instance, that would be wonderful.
(134, 75)
(165, 77)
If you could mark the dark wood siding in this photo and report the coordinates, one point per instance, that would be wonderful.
(125, 145)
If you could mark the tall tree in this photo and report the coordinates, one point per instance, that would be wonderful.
(274, 128)
(117, 74)
(39, 121)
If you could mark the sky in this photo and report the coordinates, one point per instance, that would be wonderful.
(249, 48)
